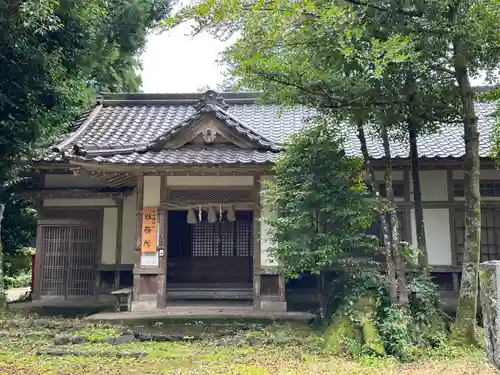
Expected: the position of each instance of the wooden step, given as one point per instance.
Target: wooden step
(209, 293)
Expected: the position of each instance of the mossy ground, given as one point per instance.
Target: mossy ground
(223, 349)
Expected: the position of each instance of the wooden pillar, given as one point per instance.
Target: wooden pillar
(271, 290)
(162, 255)
(149, 270)
(36, 289)
(118, 249)
(256, 242)
(269, 285)
(162, 246)
(138, 236)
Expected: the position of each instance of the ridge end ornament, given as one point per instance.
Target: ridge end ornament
(209, 135)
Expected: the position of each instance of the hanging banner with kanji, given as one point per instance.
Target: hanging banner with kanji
(149, 230)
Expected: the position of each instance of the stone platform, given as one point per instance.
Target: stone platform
(214, 310)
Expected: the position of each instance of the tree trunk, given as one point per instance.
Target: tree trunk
(464, 329)
(417, 195)
(415, 171)
(391, 272)
(322, 299)
(395, 246)
(3, 296)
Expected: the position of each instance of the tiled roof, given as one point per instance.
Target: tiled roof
(447, 143)
(191, 156)
(125, 129)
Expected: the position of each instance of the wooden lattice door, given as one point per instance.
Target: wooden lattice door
(210, 253)
(69, 256)
(223, 251)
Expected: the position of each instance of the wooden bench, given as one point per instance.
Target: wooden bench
(119, 293)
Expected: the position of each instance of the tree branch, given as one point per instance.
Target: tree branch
(385, 9)
(439, 68)
(337, 103)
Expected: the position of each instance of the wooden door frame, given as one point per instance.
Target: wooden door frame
(75, 221)
(251, 246)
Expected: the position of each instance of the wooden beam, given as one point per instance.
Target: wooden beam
(181, 169)
(124, 183)
(72, 193)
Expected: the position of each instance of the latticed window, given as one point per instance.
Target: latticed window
(490, 233)
(223, 238)
(209, 195)
(376, 228)
(68, 260)
(398, 189)
(486, 188)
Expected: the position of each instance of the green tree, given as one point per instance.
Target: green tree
(321, 202)
(18, 233)
(55, 56)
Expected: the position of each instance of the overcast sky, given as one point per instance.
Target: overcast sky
(175, 62)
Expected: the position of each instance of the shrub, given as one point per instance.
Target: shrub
(20, 281)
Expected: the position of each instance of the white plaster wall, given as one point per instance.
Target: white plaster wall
(209, 181)
(70, 181)
(265, 242)
(128, 229)
(78, 202)
(437, 235)
(433, 185)
(152, 188)
(110, 227)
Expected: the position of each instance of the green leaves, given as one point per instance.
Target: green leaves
(313, 53)
(320, 199)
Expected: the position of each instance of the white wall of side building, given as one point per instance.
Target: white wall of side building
(433, 186)
(109, 234)
(265, 242)
(437, 235)
(129, 220)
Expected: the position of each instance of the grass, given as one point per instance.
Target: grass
(223, 349)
